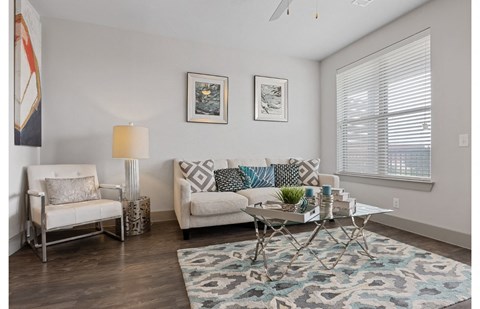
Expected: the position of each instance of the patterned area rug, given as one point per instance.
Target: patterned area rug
(402, 276)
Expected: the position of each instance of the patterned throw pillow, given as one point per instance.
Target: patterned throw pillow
(199, 174)
(231, 180)
(71, 190)
(286, 175)
(308, 170)
(260, 176)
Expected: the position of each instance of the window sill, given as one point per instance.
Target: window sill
(408, 184)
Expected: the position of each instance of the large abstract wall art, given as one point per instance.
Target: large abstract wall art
(28, 90)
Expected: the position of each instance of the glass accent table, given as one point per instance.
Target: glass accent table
(277, 221)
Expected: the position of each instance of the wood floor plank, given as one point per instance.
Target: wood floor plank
(143, 272)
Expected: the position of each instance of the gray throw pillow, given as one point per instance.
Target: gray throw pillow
(231, 180)
(71, 190)
(286, 175)
(199, 174)
(308, 170)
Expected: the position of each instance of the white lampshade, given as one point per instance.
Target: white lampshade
(130, 142)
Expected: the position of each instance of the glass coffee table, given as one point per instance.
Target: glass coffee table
(277, 221)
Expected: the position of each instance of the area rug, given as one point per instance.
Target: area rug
(401, 276)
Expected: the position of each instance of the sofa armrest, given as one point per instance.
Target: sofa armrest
(181, 201)
(329, 179)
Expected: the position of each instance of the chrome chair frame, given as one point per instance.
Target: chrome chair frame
(33, 241)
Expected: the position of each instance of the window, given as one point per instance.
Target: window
(384, 113)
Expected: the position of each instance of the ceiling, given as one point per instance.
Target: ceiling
(239, 24)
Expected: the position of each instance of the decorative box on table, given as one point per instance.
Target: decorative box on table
(348, 207)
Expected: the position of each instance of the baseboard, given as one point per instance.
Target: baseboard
(159, 216)
(15, 243)
(452, 237)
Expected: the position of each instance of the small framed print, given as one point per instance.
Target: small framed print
(271, 99)
(207, 98)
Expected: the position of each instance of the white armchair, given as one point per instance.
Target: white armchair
(48, 213)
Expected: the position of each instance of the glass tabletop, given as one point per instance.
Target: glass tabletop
(361, 210)
(319, 214)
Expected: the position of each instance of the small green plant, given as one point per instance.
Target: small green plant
(290, 195)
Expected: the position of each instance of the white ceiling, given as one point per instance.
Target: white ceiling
(239, 24)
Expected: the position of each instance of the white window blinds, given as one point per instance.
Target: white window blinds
(384, 112)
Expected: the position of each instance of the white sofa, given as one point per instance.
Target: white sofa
(220, 208)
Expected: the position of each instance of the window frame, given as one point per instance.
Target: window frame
(381, 87)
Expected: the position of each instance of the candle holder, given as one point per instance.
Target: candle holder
(326, 197)
(327, 201)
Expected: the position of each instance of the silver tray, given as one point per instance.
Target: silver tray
(302, 217)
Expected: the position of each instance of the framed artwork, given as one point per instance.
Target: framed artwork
(28, 89)
(207, 98)
(271, 98)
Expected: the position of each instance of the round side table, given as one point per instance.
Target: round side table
(136, 215)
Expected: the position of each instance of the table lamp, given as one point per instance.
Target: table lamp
(130, 143)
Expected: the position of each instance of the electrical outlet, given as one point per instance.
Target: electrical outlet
(396, 202)
(463, 140)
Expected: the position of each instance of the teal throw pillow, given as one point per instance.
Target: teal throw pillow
(260, 176)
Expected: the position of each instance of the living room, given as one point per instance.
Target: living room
(99, 71)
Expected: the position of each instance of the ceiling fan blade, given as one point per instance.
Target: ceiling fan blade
(280, 9)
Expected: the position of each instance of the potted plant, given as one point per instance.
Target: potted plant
(290, 197)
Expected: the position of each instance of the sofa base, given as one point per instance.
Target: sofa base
(186, 234)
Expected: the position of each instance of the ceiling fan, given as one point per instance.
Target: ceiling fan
(285, 5)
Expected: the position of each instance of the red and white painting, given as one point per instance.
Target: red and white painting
(28, 90)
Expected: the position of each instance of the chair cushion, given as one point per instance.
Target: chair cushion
(231, 180)
(71, 190)
(260, 176)
(215, 203)
(257, 195)
(308, 171)
(199, 174)
(64, 215)
(286, 175)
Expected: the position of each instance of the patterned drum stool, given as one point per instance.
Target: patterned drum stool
(137, 216)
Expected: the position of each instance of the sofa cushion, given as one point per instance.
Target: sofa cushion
(308, 170)
(260, 176)
(246, 162)
(271, 161)
(71, 190)
(231, 180)
(286, 175)
(199, 174)
(259, 195)
(216, 203)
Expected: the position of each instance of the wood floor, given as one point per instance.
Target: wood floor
(142, 272)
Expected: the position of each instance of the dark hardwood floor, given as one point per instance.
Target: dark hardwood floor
(143, 272)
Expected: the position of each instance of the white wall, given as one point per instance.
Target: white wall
(19, 158)
(448, 205)
(96, 77)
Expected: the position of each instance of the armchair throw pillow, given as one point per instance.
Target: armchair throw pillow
(199, 174)
(71, 190)
(231, 180)
(260, 176)
(286, 175)
(308, 170)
